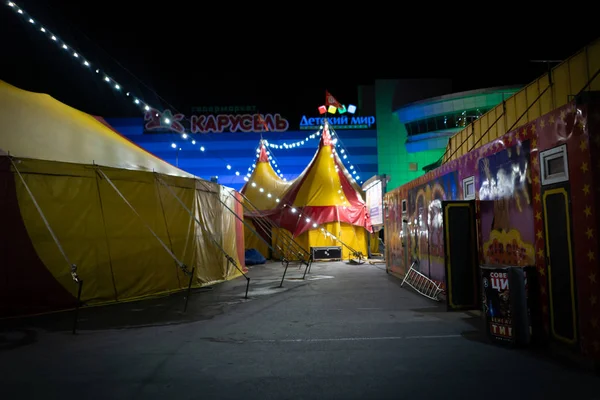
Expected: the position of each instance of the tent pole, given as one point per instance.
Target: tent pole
(189, 290)
(76, 313)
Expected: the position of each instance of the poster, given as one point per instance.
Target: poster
(496, 304)
(507, 220)
(375, 203)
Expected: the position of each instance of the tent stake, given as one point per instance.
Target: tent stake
(308, 264)
(287, 263)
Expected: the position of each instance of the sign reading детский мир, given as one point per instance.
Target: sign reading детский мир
(341, 122)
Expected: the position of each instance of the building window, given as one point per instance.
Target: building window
(443, 122)
(469, 188)
(554, 165)
(404, 207)
(413, 166)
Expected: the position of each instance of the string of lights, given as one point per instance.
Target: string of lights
(345, 156)
(272, 160)
(143, 106)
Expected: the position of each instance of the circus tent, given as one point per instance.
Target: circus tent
(323, 206)
(80, 203)
(261, 192)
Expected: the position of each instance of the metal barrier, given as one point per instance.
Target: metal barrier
(421, 283)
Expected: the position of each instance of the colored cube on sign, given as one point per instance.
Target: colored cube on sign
(331, 109)
(322, 110)
(351, 109)
(342, 109)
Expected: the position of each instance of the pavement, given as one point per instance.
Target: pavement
(346, 332)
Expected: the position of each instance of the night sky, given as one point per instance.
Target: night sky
(179, 56)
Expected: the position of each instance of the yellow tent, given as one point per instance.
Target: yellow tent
(324, 205)
(75, 192)
(262, 192)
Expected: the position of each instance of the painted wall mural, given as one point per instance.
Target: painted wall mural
(394, 235)
(511, 214)
(425, 223)
(506, 212)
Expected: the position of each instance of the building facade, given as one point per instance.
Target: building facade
(220, 144)
(413, 134)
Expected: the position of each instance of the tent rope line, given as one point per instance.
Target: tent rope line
(286, 261)
(73, 267)
(267, 225)
(181, 265)
(230, 260)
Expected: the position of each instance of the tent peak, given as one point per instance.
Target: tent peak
(263, 157)
(326, 136)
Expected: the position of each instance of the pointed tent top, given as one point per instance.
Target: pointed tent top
(326, 136)
(263, 157)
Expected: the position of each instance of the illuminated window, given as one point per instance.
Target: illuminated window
(469, 188)
(554, 165)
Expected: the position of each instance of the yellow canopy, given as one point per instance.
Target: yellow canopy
(37, 126)
(264, 177)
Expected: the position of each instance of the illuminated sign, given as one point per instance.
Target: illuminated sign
(157, 121)
(341, 122)
(238, 123)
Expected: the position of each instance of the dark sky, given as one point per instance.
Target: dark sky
(190, 55)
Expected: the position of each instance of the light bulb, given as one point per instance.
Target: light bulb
(168, 121)
(228, 166)
(237, 173)
(173, 145)
(201, 148)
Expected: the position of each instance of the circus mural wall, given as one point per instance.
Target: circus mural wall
(506, 211)
(395, 237)
(425, 223)
(524, 218)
